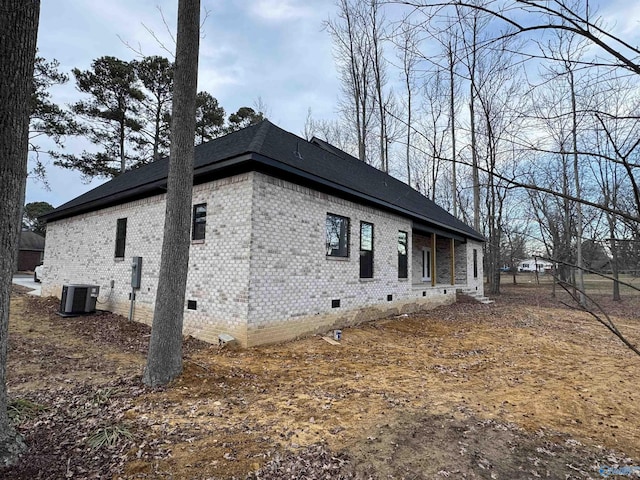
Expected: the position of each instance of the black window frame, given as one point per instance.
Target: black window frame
(403, 258)
(199, 222)
(121, 238)
(475, 263)
(366, 255)
(343, 249)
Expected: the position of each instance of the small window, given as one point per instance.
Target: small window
(403, 270)
(366, 250)
(475, 263)
(121, 237)
(426, 264)
(337, 241)
(198, 228)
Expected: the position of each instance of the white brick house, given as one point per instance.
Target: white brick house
(289, 237)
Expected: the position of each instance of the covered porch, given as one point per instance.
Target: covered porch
(439, 261)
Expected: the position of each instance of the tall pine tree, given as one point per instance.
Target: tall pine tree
(209, 118)
(109, 117)
(156, 75)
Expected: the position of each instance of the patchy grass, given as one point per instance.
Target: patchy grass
(521, 388)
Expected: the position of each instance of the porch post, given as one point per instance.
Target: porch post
(453, 262)
(433, 260)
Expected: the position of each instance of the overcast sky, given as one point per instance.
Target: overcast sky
(275, 50)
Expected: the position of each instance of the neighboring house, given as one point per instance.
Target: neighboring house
(535, 264)
(30, 250)
(289, 237)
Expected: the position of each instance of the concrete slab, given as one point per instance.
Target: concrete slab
(26, 280)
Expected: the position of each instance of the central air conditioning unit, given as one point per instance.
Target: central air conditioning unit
(78, 299)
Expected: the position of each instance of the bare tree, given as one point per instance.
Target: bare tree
(331, 131)
(494, 104)
(19, 26)
(352, 50)
(434, 125)
(616, 130)
(376, 31)
(164, 360)
(450, 53)
(470, 23)
(407, 42)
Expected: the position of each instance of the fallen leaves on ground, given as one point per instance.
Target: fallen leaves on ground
(523, 388)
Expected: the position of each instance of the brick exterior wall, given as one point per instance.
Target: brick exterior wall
(81, 250)
(262, 273)
(476, 282)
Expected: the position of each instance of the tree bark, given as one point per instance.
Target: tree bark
(164, 361)
(474, 155)
(19, 27)
(452, 113)
(576, 177)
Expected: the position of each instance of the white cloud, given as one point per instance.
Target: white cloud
(279, 10)
(273, 49)
(622, 19)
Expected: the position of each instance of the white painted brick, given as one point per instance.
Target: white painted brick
(261, 274)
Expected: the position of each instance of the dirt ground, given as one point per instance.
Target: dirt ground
(522, 388)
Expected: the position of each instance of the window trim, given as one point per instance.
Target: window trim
(347, 230)
(426, 264)
(404, 255)
(195, 217)
(475, 263)
(367, 255)
(121, 238)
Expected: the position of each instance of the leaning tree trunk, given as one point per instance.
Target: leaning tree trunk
(164, 361)
(19, 27)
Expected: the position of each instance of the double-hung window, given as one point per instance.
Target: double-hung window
(198, 228)
(403, 270)
(366, 250)
(337, 235)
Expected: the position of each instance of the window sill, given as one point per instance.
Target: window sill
(118, 259)
(337, 259)
(197, 242)
(367, 280)
(403, 279)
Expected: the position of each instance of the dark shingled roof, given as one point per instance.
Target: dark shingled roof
(267, 148)
(31, 241)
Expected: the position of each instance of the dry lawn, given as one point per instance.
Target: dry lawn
(523, 388)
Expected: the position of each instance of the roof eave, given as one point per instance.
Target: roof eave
(247, 162)
(363, 196)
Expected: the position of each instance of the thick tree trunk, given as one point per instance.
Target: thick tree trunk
(164, 361)
(19, 27)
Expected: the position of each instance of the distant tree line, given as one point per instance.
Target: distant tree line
(519, 117)
(125, 113)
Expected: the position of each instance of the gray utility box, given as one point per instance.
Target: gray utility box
(78, 299)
